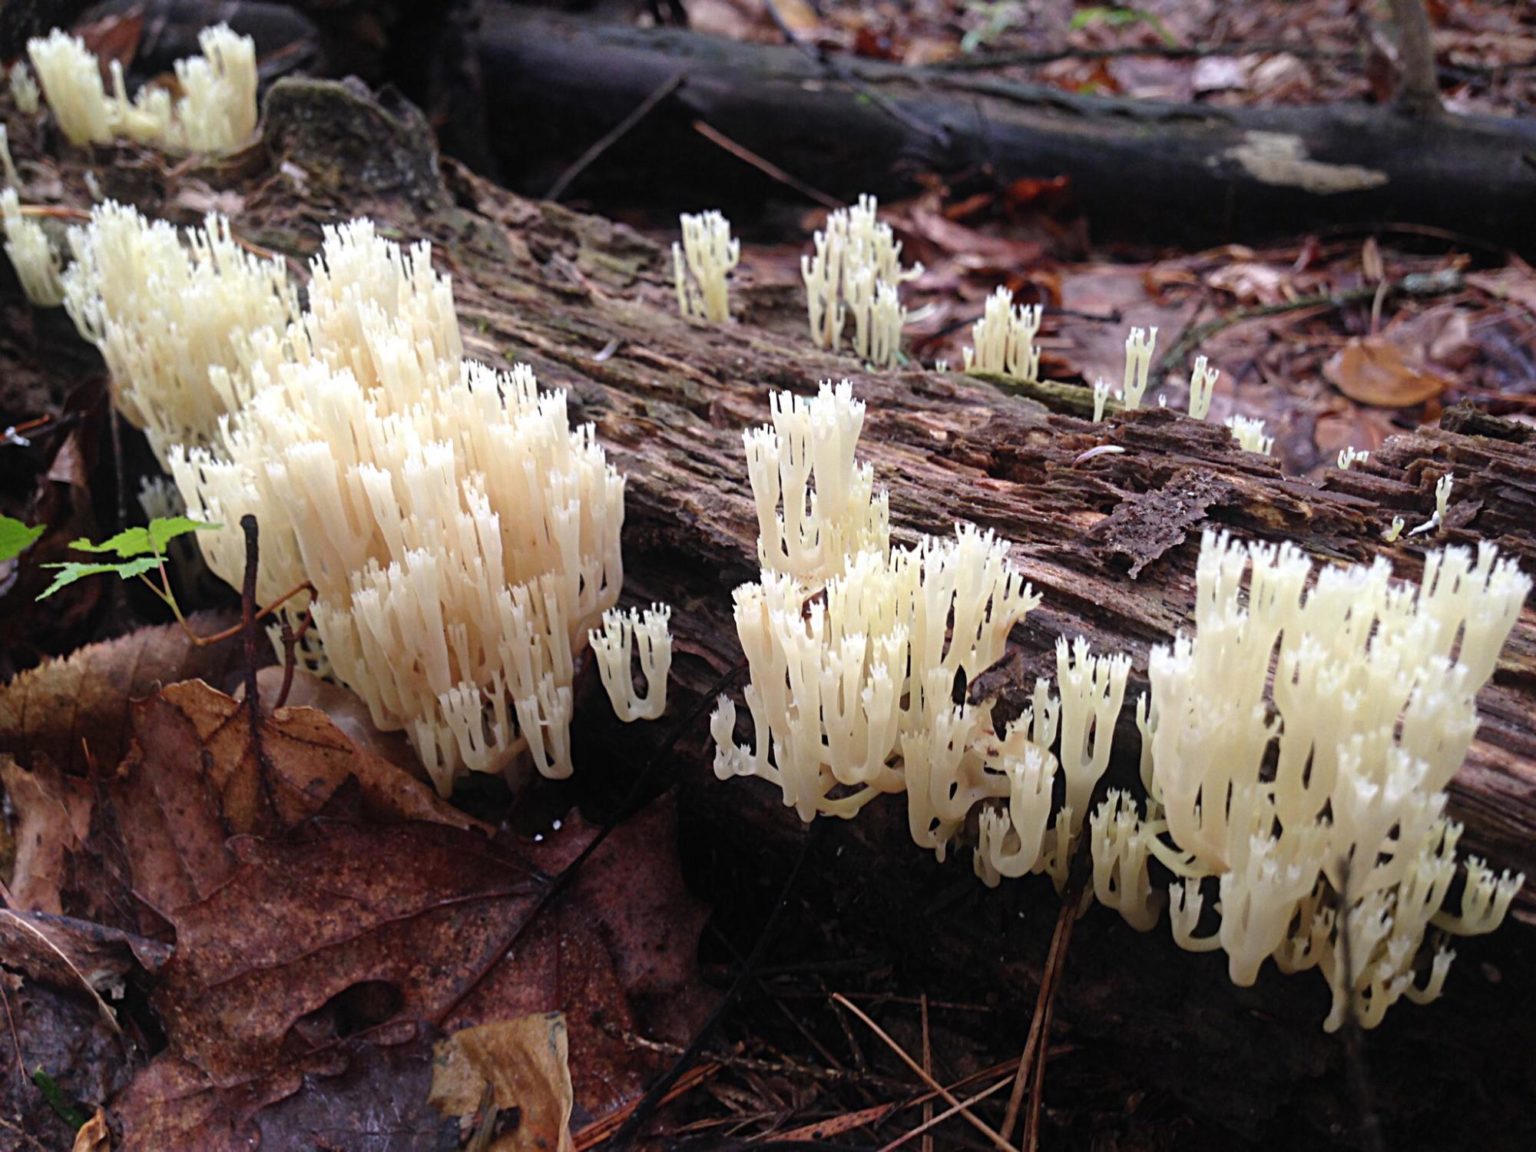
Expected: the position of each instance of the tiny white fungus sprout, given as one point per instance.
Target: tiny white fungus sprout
(612, 644)
(7, 165)
(1249, 433)
(1202, 386)
(24, 89)
(1004, 339)
(1442, 506)
(27, 245)
(1100, 398)
(1139, 347)
(854, 255)
(1349, 455)
(700, 265)
(1393, 531)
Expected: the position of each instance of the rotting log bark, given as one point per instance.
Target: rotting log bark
(1140, 170)
(1110, 543)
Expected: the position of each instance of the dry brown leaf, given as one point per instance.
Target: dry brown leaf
(517, 1064)
(1372, 370)
(1250, 282)
(195, 776)
(370, 1096)
(348, 929)
(94, 1135)
(53, 821)
(1516, 283)
(77, 709)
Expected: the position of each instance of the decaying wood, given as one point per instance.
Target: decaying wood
(1189, 173)
(1109, 541)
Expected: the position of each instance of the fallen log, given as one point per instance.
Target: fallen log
(1108, 540)
(1140, 170)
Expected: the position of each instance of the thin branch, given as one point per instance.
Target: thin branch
(996, 1140)
(767, 167)
(668, 86)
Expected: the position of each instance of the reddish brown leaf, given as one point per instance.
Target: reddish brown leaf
(194, 777)
(269, 966)
(77, 708)
(1371, 370)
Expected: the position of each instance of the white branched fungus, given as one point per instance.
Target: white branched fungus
(1100, 398)
(1139, 348)
(1350, 455)
(182, 326)
(8, 165)
(461, 538)
(1442, 506)
(216, 110)
(844, 687)
(816, 505)
(36, 264)
(71, 80)
(1202, 386)
(852, 691)
(855, 255)
(24, 89)
(1004, 338)
(634, 631)
(1321, 803)
(1092, 689)
(700, 265)
(1250, 434)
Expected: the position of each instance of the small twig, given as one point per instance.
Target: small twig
(1031, 1070)
(953, 1110)
(290, 640)
(969, 1117)
(767, 167)
(841, 71)
(606, 141)
(248, 619)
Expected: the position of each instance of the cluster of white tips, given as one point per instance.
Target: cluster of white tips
(1297, 748)
(1350, 455)
(816, 505)
(462, 540)
(625, 633)
(216, 109)
(1004, 339)
(700, 265)
(856, 270)
(36, 263)
(1249, 433)
(1202, 387)
(851, 692)
(183, 327)
(1139, 348)
(24, 89)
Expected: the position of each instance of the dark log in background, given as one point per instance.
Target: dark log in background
(587, 303)
(1140, 170)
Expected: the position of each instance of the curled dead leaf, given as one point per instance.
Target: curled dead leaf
(1371, 370)
(520, 1064)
